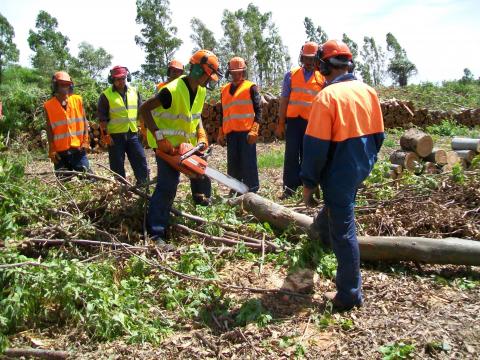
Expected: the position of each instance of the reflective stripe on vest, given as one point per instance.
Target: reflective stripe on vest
(238, 112)
(122, 119)
(302, 93)
(179, 122)
(67, 125)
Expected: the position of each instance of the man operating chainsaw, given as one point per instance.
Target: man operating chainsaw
(173, 119)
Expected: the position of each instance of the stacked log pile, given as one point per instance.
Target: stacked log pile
(396, 114)
(418, 155)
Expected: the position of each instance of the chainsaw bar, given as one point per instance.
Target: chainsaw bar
(226, 180)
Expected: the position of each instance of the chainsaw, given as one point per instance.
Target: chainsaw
(187, 160)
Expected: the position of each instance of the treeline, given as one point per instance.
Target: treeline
(247, 32)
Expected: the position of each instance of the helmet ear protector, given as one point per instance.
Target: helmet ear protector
(325, 66)
(110, 78)
(54, 86)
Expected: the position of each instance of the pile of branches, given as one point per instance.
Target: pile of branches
(437, 208)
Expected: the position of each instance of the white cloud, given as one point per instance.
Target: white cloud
(440, 36)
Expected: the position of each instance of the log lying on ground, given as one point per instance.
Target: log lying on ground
(398, 248)
(408, 160)
(430, 168)
(466, 144)
(417, 141)
(36, 353)
(467, 155)
(437, 156)
(452, 158)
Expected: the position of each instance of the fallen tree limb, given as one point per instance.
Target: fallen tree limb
(231, 242)
(26, 263)
(37, 353)
(87, 243)
(396, 248)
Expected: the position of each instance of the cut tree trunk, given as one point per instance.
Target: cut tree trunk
(467, 155)
(395, 248)
(417, 141)
(437, 156)
(396, 168)
(452, 158)
(430, 168)
(409, 160)
(466, 144)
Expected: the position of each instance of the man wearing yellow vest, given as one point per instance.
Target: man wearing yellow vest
(67, 126)
(242, 112)
(118, 112)
(300, 85)
(174, 70)
(173, 117)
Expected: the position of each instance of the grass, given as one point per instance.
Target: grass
(271, 159)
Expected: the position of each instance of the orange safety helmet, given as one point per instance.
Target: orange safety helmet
(62, 76)
(205, 61)
(175, 64)
(309, 49)
(334, 48)
(237, 64)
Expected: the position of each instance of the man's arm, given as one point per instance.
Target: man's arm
(282, 111)
(103, 112)
(49, 131)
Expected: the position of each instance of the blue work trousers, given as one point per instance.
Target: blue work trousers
(162, 199)
(336, 226)
(128, 143)
(242, 159)
(72, 160)
(294, 132)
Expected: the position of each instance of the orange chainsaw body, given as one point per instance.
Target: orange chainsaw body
(193, 166)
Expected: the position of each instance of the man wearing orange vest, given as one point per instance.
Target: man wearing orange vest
(67, 126)
(300, 85)
(174, 70)
(343, 137)
(242, 111)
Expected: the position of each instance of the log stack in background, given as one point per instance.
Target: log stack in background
(396, 114)
(418, 155)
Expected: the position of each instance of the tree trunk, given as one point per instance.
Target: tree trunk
(466, 144)
(417, 141)
(452, 158)
(395, 248)
(430, 168)
(409, 160)
(437, 156)
(37, 353)
(467, 155)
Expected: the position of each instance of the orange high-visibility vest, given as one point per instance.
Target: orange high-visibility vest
(302, 93)
(238, 112)
(68, 125)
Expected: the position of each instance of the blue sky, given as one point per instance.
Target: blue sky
(441, 37)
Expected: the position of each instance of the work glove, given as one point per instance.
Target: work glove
(280, 130)
(105, 138)
(165, 146)
(308, 196)
(54, 158)
(221, 137)
(253, 133)
(202, 138)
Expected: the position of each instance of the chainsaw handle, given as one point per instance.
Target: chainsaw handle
(198, 147)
